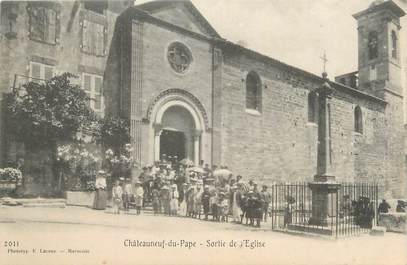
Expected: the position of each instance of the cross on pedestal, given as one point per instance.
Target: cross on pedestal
(324, 186)
(324, 60)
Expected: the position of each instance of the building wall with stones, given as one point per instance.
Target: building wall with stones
(277, 143)
(63, 52)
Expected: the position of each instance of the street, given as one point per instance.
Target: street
(76, 235)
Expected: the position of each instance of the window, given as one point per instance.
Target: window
(39, 71)
(373, 45)
(358, 120)
(253, 91)
(97, 6)
(93, 86)
(354, 81)
(43, 24)
(94, 38)
(394, 44)
(312, 107)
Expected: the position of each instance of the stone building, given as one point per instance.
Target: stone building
(192, 94)
(39, 39)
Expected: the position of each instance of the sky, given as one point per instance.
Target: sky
(296, 32)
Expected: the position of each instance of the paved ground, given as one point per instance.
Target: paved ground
(102, 236)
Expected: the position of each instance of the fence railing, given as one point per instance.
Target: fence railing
(352, 209)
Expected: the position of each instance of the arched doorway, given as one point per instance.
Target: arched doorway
(176, 138)
(177, 131)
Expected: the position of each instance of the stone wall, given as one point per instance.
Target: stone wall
(279, 144)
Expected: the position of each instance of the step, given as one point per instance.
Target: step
(44, 205)
(40, 200)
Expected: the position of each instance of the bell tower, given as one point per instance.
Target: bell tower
(379, 48)
(380, 74)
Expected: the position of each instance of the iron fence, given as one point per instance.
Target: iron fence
(352, 209)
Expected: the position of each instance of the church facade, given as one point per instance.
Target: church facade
(190, 93)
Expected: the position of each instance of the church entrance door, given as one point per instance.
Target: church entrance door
(172, 144)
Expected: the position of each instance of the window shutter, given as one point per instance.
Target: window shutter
(35, 71)
(50, 26)
(101, 40)
(98, 85)
(87, 86)
(104, 47)
(84, 36)
(97, 40)
(93, 38)
(87, 82)
(48, 72)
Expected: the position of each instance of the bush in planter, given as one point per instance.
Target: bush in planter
(79, 165)
(11, 175)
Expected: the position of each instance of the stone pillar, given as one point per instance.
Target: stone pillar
(324, 185)
(197, 136)
(157, 132)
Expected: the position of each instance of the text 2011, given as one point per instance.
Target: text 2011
(11, 244)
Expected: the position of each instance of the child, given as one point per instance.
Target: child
(165, 199)
(190, 200)
(205, 199)
(138, 196)
(223, 207)
(117, 193)
(156, 202)
(127, 195)
(174, 200)
(198, 199)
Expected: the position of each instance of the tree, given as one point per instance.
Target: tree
(114, 136)
(114, 133)
(43, 114)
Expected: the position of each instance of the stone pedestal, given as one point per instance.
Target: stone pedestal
(324, 189)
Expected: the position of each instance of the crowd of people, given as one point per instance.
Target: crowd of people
(185, 190)
(182, 189)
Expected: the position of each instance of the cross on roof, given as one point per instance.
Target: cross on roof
(324, 60)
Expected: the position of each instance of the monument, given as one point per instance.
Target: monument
(324, 187)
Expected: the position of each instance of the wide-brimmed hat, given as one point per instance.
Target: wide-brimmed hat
(165, 187)
(101, 172)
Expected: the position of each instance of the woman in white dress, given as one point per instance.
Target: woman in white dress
(138, 196)
(182, 211)
(174, 200)
(236, 211)
(117, 195)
